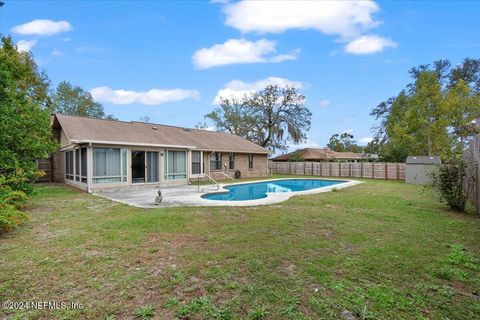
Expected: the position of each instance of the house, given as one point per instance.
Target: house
(324, 154)
(419, 168)
(96, 154)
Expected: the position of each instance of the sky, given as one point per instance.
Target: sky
(172, 60)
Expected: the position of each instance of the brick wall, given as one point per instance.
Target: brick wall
(56, 160)
(241, 163)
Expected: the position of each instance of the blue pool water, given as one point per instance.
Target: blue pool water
(258, 190)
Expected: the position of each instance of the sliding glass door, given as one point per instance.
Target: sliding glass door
(152, 167)
(138, 166)
(145, 166)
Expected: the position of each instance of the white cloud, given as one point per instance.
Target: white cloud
(42, 27)
(25, 45)
(369, 44)
(235, 51)
(210, 128)
(150, 97)
(350, 131)
(57, 53)
(345, 18)
(365, 140)
(324, 103)
(237, 89)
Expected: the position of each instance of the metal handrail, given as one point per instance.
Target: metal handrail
(210, 178)
(226, 175)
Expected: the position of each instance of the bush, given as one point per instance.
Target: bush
(13, 195)
(10, 218)
(449, 182)
(20, 180)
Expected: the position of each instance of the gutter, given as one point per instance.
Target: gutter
(132, 144)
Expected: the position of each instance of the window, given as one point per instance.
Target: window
(69, 165)
(231, 161)
(216, 161)
(175, 165)
(106, 165)
(77, 164)
(83, 164)
(250, 161)
(196, 162)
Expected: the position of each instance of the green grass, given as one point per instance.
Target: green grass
(381, 250)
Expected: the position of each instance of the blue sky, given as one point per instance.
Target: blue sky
(169, 60)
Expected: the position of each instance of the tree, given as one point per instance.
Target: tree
(145, 119)
(343, 142)
(25, 133)
(234, 116)
(271, 118)
(73, 100)
(436, 114)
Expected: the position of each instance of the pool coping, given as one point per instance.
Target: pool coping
(273, 197)
(190, 196)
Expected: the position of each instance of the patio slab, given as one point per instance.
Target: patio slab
(189, 195)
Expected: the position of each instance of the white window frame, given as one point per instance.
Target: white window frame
(202, 171)
(166, 175)
(122, 176)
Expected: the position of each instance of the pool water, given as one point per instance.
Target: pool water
(259, 190)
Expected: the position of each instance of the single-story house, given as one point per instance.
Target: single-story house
(324, 154)
(96, 154)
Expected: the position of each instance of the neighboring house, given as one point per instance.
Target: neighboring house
(419, 168)
(324, 154)
(96, 154)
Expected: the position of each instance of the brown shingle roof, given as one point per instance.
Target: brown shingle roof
(80, 129)
(317, 154)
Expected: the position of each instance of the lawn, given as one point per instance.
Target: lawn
(380, 250)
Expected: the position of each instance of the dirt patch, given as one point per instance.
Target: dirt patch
(38, 210)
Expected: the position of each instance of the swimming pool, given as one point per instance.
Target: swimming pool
(259, 190)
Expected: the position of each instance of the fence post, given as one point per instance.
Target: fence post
(398, 171)
(304, 168)
(386, 171)
(289, 167)
(477, 187)
(339, 169)
(361, 169)
(330, 169)
(373, 170)
(312, 168)
(350, 166)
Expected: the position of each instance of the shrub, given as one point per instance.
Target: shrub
(449, 182)
(13, 195)
(20, 180)
(10, 217)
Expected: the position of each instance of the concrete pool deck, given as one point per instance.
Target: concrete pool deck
(189, 195)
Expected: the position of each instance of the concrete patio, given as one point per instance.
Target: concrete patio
(190, 195)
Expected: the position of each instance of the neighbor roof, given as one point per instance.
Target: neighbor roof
(423, 160)
(323, 154)
(89, 130)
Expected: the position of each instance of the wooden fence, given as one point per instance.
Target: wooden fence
(45, 166)
(471, 182)
(375, 170)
